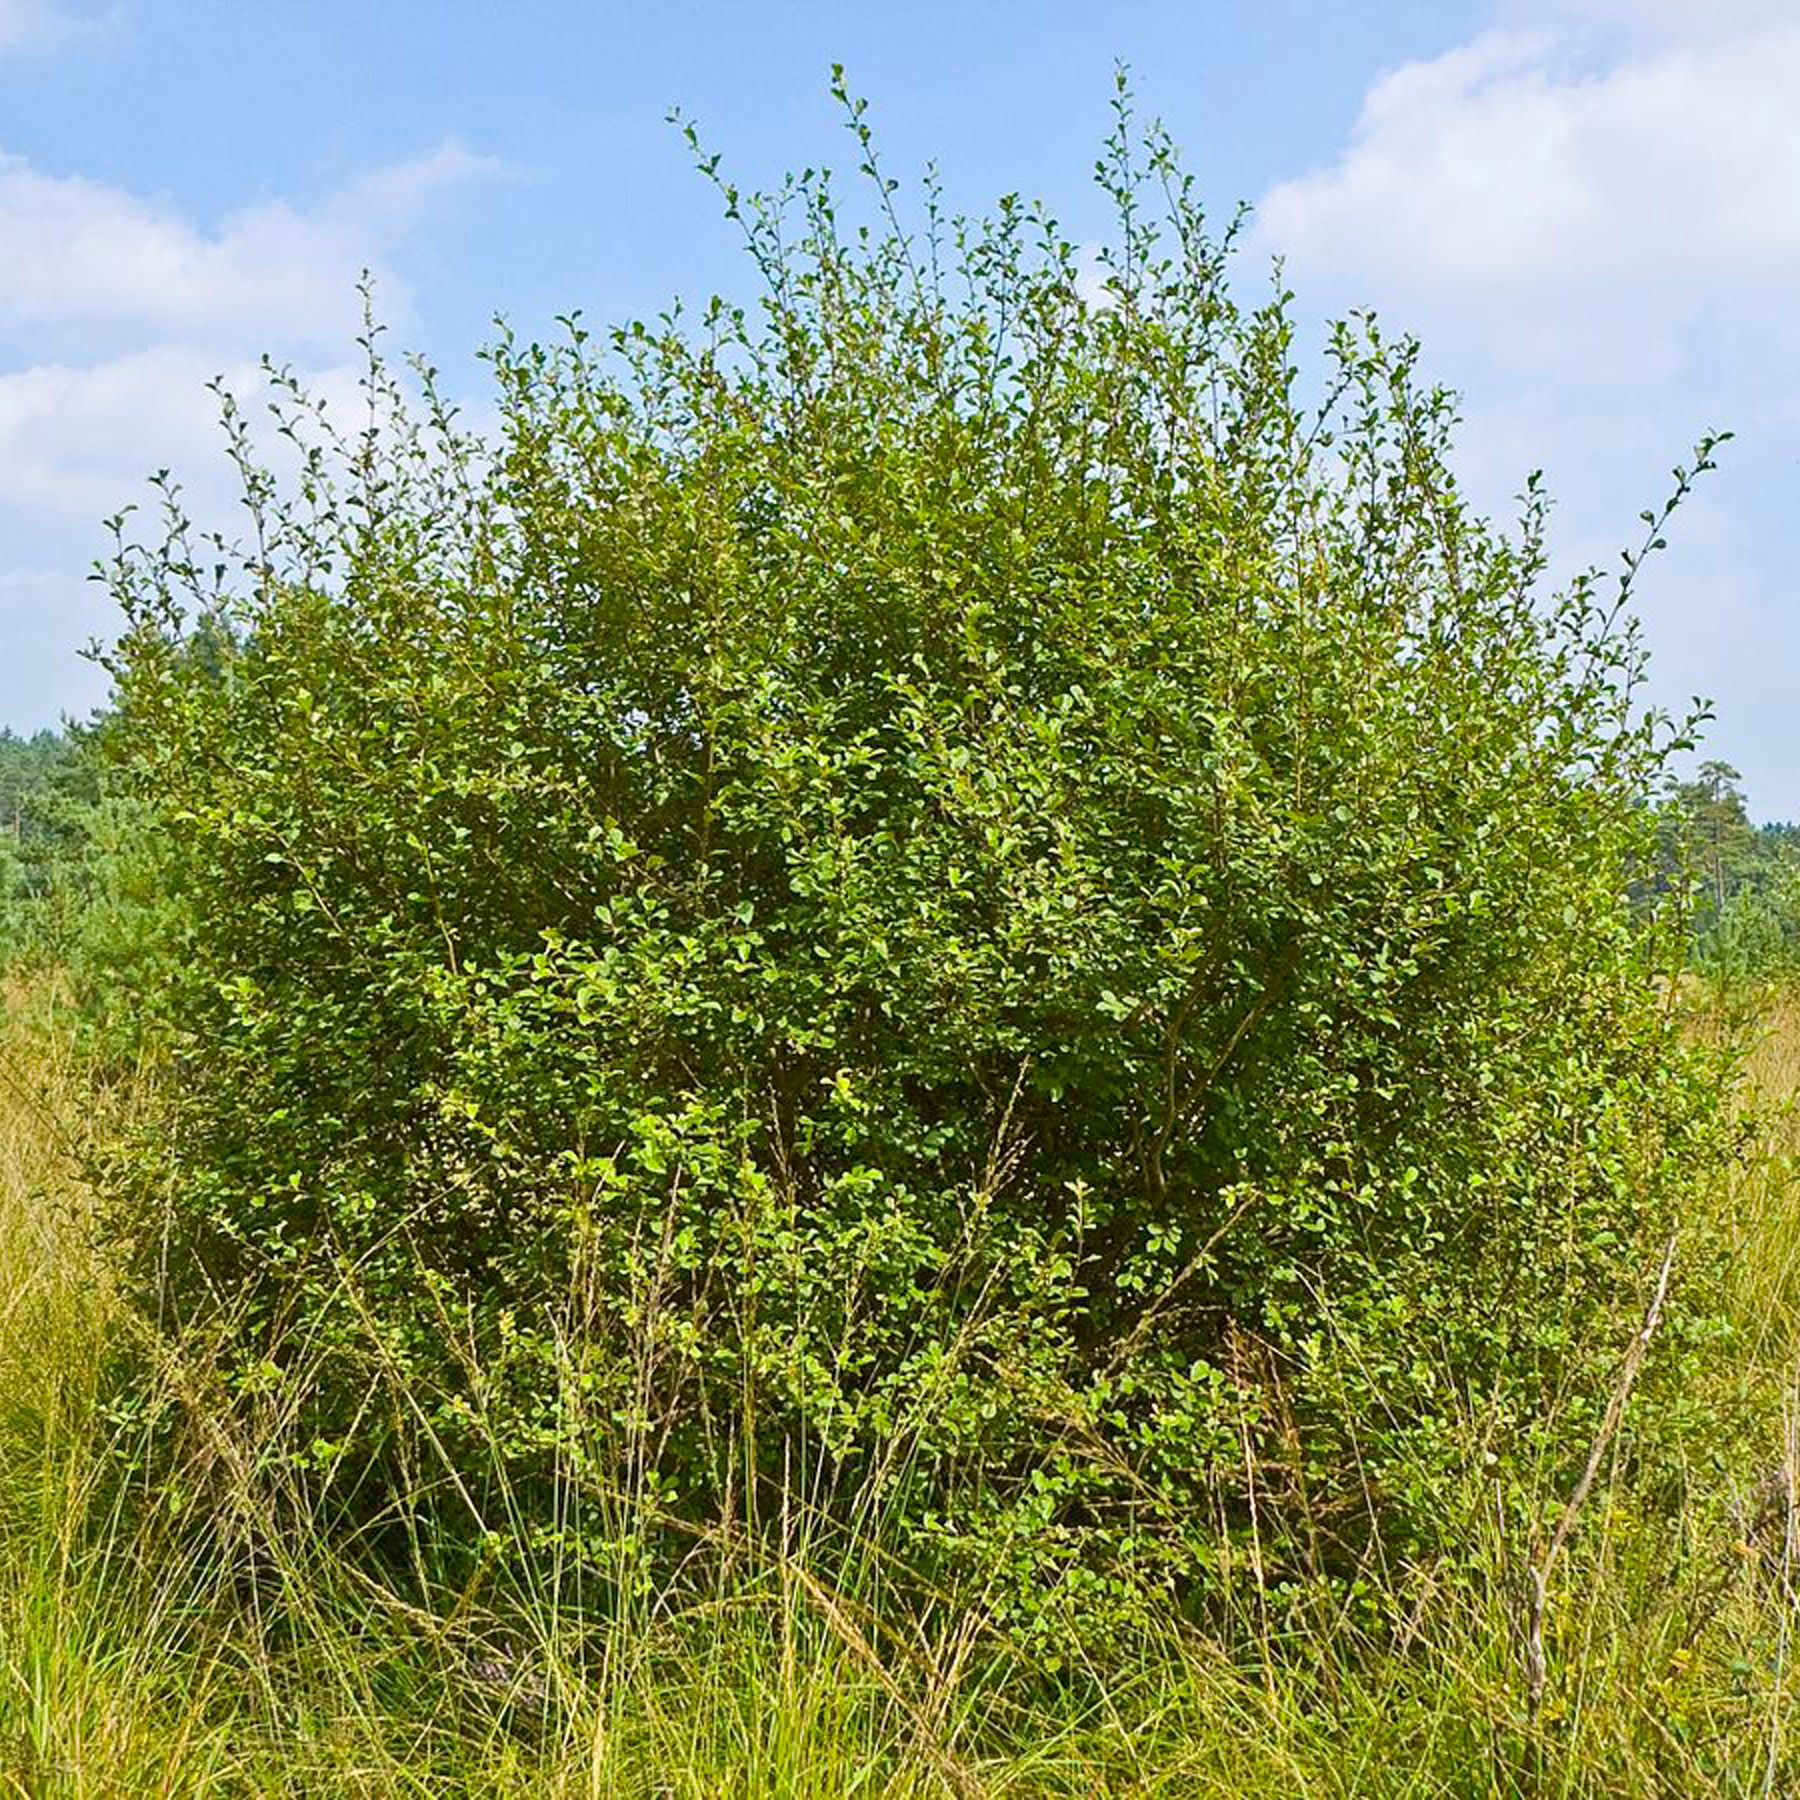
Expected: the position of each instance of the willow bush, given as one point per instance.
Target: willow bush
(937, 908)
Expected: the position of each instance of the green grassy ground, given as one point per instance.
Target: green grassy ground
(135, 1658)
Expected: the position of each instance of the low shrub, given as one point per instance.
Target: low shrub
(934, 894)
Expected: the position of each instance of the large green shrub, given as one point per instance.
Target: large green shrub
(933, 895)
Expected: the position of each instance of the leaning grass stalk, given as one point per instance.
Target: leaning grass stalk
(1536, 1665)
(1791, 1466)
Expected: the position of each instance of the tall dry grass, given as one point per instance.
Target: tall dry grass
(191, 1638)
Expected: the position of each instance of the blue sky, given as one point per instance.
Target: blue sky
(1589, 209)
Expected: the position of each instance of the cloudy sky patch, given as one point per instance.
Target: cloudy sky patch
(1588, 209)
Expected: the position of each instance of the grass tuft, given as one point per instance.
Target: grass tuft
(192, 1639)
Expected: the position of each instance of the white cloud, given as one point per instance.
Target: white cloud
(82, 441)
(1646, 20)
(83, 252)
(33, 25)
(1567, 209)
(176, 305)
(1590, 213)
(116, 310)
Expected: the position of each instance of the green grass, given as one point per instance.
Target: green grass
(189, 1639)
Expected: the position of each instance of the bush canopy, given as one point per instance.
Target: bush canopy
(937, 897)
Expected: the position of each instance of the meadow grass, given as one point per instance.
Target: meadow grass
(187, 1638)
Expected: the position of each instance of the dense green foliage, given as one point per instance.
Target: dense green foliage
(932, 896)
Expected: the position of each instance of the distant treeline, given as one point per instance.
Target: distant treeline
(37, 774)
(67, 857)
(47, 793)
(1743, 878)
